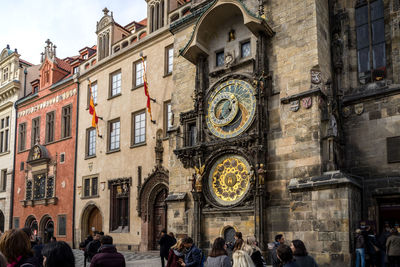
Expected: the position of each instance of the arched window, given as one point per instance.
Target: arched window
(151, 18)
(156, 15)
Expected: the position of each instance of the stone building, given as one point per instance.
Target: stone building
(45, 151)
(13, 84)
(122, 179)
(292, 124)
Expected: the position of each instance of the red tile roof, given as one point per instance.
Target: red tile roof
(143, 22)
(26, 62)
(63, 64)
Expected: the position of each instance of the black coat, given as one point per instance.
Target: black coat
(108, 257)
(257, 258)
(166, 242)
(92, 248)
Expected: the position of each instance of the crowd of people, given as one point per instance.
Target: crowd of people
(377, 251)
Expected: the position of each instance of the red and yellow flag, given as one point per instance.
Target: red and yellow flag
(146, 89)
(92, 109)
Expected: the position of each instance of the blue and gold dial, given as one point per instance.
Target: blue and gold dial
(231, 108)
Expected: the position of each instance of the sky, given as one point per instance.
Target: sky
(69, 24)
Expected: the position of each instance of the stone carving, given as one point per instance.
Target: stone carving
(231, 35)
(295, 105)
(316, 76)
(337, 47)
(306, 102)
(359, 108)
(199, 178)
(346, 111)
(229, 59)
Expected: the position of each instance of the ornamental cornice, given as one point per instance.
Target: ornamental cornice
(9, 90)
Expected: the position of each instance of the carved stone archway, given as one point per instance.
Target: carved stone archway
(156, 183)
(89, 211)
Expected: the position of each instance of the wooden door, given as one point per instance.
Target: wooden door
(95, 222)
(160, 217)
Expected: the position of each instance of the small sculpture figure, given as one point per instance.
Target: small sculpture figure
(199, 177)
(231, 35)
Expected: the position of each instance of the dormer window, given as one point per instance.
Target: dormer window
(35, 89)
(5, 74)
(103, 47)
(85, 56)
(156, 15)
(76, 69)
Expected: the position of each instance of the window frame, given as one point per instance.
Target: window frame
(89, 93)
(33, 131)
(135, 63)
(47, 135)
(91, 179)
(109, 123)
(166, 117)
(133, 134)
(87, 144)
(3, 182)
(58, 224)
(242, 43)
(5, 127)
(167, 62)
(116, 211)
(110, 94)
(64, 122)
(218, 52)
(22, 135)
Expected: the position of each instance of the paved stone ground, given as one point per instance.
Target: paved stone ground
(133, 259)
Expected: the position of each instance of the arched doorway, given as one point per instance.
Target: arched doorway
(46, 228)
(32, 223)
(91, 220)
(159, 216)
(1, 221)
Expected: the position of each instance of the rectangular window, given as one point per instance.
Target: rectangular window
(22, 136)
(370, 31)
(169, 58)
(91, 142)
(191, 134)
(92, 92)
(35, 131)
(16, 222)
(168, 117)
(3, 184)
(76, 69)
(62, 224)
(139, 73)
(220, 59)
(4, 134)
(90, 187)
(22, 166)
(50, 127)
(114, 135)
(35, 89)
(245, 49)
(5, 74)
(115, 84)
(94, 186)
(139, 127)
(39, 186)
(119, 209)
(66, 122)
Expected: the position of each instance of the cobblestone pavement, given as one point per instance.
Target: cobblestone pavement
(133, 259)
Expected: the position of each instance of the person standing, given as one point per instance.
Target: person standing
(218, 256)
(93, 246)
(300, 254)
(393, 249)
(360, 248)
(192, 255)
(382, 243)
(255, 252)
(58, 254)
(166, 242)
(242, 259)
(285, 255)
(176, 253)
(107, 255)
(279, 240)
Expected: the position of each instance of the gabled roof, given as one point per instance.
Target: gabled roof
(63, 64)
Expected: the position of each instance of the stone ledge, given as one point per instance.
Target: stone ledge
(372, 90)
(176, 197)
(327, 179)
(287, 100)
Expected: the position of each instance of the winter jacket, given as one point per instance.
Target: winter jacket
(360, 242)
(28, 262)
(193, 257)
(173, 258)
(393, 245)
(166, 242)
(291, 264)
(257, 258)
(305, 261)
(92, 248)
(220, 261)
(274, 257)
(108, 257)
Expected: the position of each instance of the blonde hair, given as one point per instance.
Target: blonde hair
(242, 259)
(252, 241)
(178, 246)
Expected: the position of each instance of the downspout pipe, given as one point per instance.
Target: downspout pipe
(75, 163)
(10, 225)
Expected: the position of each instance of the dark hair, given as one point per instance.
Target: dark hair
(53, 239)
(89, 238)
(239, 235)
(284, 253)
(218, 248)
(106, 240)
(300, 248)
(278, 237)
(96, 232)
(101, 233)
(58, 254)
(15, 243)
(187, 240)
(238, 244)
(27, 231)
(164, 231)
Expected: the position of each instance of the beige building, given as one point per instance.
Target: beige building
(15, 77)
(122, 175)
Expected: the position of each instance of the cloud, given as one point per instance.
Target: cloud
(70, 25)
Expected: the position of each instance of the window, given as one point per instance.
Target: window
(3, 184)
(85, 56)
(90, 187)
(113, 135)
(22, 136)
(5, 74)
(191, 135)
(169, 58)
(22, 166)
(139, 73)
(370, 27)
(50, 127)
(168, 117)
(245, 49)
(35, 131)
(62, 225)
(119, 208)
(139, 127)
(93, 91)
(16, 222)
(76, 70)
(90, 142)
(39, 186)
(219, 56)
(66, 122)
(115, 84)
(4, 134)
(35, 89)
(62, 157)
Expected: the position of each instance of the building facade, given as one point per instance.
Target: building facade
(45, 152)
(122, 179)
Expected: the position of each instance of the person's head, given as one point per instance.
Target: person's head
(28, 232)
(106, 240)
(284, 253)
(53, 239)
(3, 261)
(15, 243)
(187, 242)
(218, 248)
(163, 232)
(97, 235)
(298, 247)
(178, 245)
(252, 241)
(89, 238)
(238, 235)
(58, 254)
(238, 244)
(279, 238)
